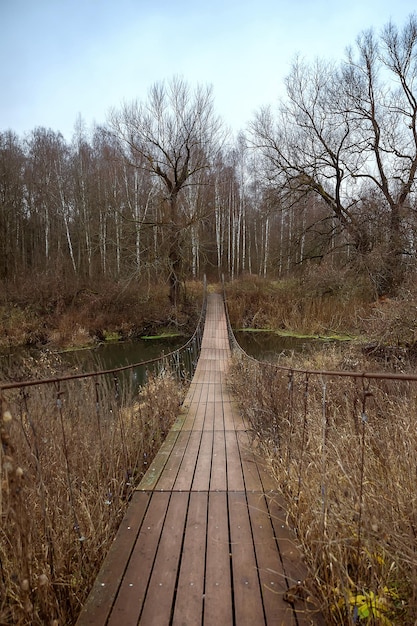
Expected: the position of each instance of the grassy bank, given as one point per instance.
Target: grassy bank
(43, 311)
(344, 452)
(326, 303)
(72, 452)
(314, 304)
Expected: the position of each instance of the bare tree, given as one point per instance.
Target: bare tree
(12, 218)
(379, 84)
(174, 135)
(344, 131)
(308, 148)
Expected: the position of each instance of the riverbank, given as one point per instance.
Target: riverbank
(336, 305)
(55, 315)
(342, 448)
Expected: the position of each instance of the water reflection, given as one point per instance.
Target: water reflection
(112, 355)
(267, 346)
(21, 363)
(115, 355)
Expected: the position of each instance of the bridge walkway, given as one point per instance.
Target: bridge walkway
(205, 539)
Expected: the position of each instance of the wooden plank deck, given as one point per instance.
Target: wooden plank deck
(205, 538)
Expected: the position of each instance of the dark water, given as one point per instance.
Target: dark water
(21, 363)
(261, 345)
(264, 346)
(112, 355)
(267, 346)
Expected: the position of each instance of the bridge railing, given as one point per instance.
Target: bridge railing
(343, 446)
(72, 450)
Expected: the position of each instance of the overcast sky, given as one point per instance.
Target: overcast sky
(64, 58)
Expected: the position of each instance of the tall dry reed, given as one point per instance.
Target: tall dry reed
(344, 452)
(70, 457)
(319, 302)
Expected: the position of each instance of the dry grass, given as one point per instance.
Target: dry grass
(344, 453)
(45, 311)
(319, 302)
(70, 456)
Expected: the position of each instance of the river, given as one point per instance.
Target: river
(267, 346)
(261, 345)
(107, 356)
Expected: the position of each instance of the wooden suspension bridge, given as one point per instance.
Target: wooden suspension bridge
(205, 539)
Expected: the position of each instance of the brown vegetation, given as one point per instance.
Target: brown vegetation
(328, 302)
(316, 303)
(47, 311)
(343, 449)
(344, 453)
(71, 455)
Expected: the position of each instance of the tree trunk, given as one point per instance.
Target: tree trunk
(175, 253)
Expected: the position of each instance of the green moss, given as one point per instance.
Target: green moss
(111, 336)
(291, 333)
(161, 336)
(254, 330)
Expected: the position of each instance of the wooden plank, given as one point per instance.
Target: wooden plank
(235, 480)
(218, 423)
(214, 393)
(130, 598)
(152, 475)
(228, 417)
(189, 598)
(249, 466)
(218, 479)
(209, 416)
(247, 595)
(232, 417)
(191, 402)
(270, 569)
(197, 423)
(294, 569)
(193, 394)
(201, 480)
(169, 473)
(306, 606)
(218, 605)
(100, 601)
(185, 474)
(160, 593)
(179, 422)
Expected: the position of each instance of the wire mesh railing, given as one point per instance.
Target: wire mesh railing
(343, 446)
(72, 450)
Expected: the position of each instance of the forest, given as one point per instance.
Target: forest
(310, 214)
(162, 192)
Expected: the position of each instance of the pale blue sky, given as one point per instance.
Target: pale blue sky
(62, 58)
